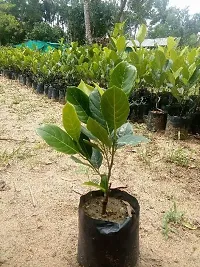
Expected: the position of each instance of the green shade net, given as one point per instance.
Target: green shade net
(39, 45)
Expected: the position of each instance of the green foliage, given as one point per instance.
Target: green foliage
(124, 77)
(115, 107)
(10, 29)
(142, 32)
(44, 32)
(95, 142)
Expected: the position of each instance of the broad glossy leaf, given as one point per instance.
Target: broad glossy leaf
(57, 139)
(171, 43)
(177, 73)
(131, 140)
(92, 145)
(115, 107)
(90, 183)
(97, 130)
(176, 93)
(80, 101)
(86, 149)
(86, 88)
(95, 107)
(142, 32)
(96, 158)
(171, 78)
(71, 122)
(121, 44)
(192, 68)
(101, 90)
(123, 76)
(88, 133)
(160, 59)
(195, 76)
(191, 55)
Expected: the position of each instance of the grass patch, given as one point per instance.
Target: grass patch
(179, 157)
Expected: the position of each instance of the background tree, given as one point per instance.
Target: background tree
(44, 32)
(88, 33)
(11, 30)
(161, 19)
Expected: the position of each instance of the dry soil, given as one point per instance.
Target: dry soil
(40, 189)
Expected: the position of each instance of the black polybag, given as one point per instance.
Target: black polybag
(108, 244)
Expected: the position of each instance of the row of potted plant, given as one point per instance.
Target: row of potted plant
(164, 71)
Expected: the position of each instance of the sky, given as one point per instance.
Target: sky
(194, 5)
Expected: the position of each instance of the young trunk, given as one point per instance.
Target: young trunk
(88, 34)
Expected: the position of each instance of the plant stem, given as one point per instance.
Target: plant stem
(104, 203)
(110, 165)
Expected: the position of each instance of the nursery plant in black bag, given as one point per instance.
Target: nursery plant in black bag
(95, 127)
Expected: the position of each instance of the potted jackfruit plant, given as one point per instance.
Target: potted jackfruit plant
(95, 127)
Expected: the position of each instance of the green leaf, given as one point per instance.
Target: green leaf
(171, 43)
(92, 145)
(57, 139)
(195, 76)
(131, 139)
(192, 68)
(86, 88)
(141, 33)
(90, 183)
(160, 59)
(86, 149)
(71, 122)
(88, 133)
(177, 73)
(104, 182)
(125, 129)
(101, 90)
(96, 158)
(171, 78)
(115, 107)
(97, 130)
(80, 101)
(176, 93)
(191, 56)
(123, 76)
(95, 107)
(121, 44)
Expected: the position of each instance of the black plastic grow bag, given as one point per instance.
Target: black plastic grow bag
(108, 244)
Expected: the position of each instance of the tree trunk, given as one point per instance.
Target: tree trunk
(88, 33)
(121, 12)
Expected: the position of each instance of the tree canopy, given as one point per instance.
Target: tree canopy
(54, 19)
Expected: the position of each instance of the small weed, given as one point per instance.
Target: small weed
(179, 157)
(174, 218)
(171, 218)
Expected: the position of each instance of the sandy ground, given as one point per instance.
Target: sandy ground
(40, 190)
